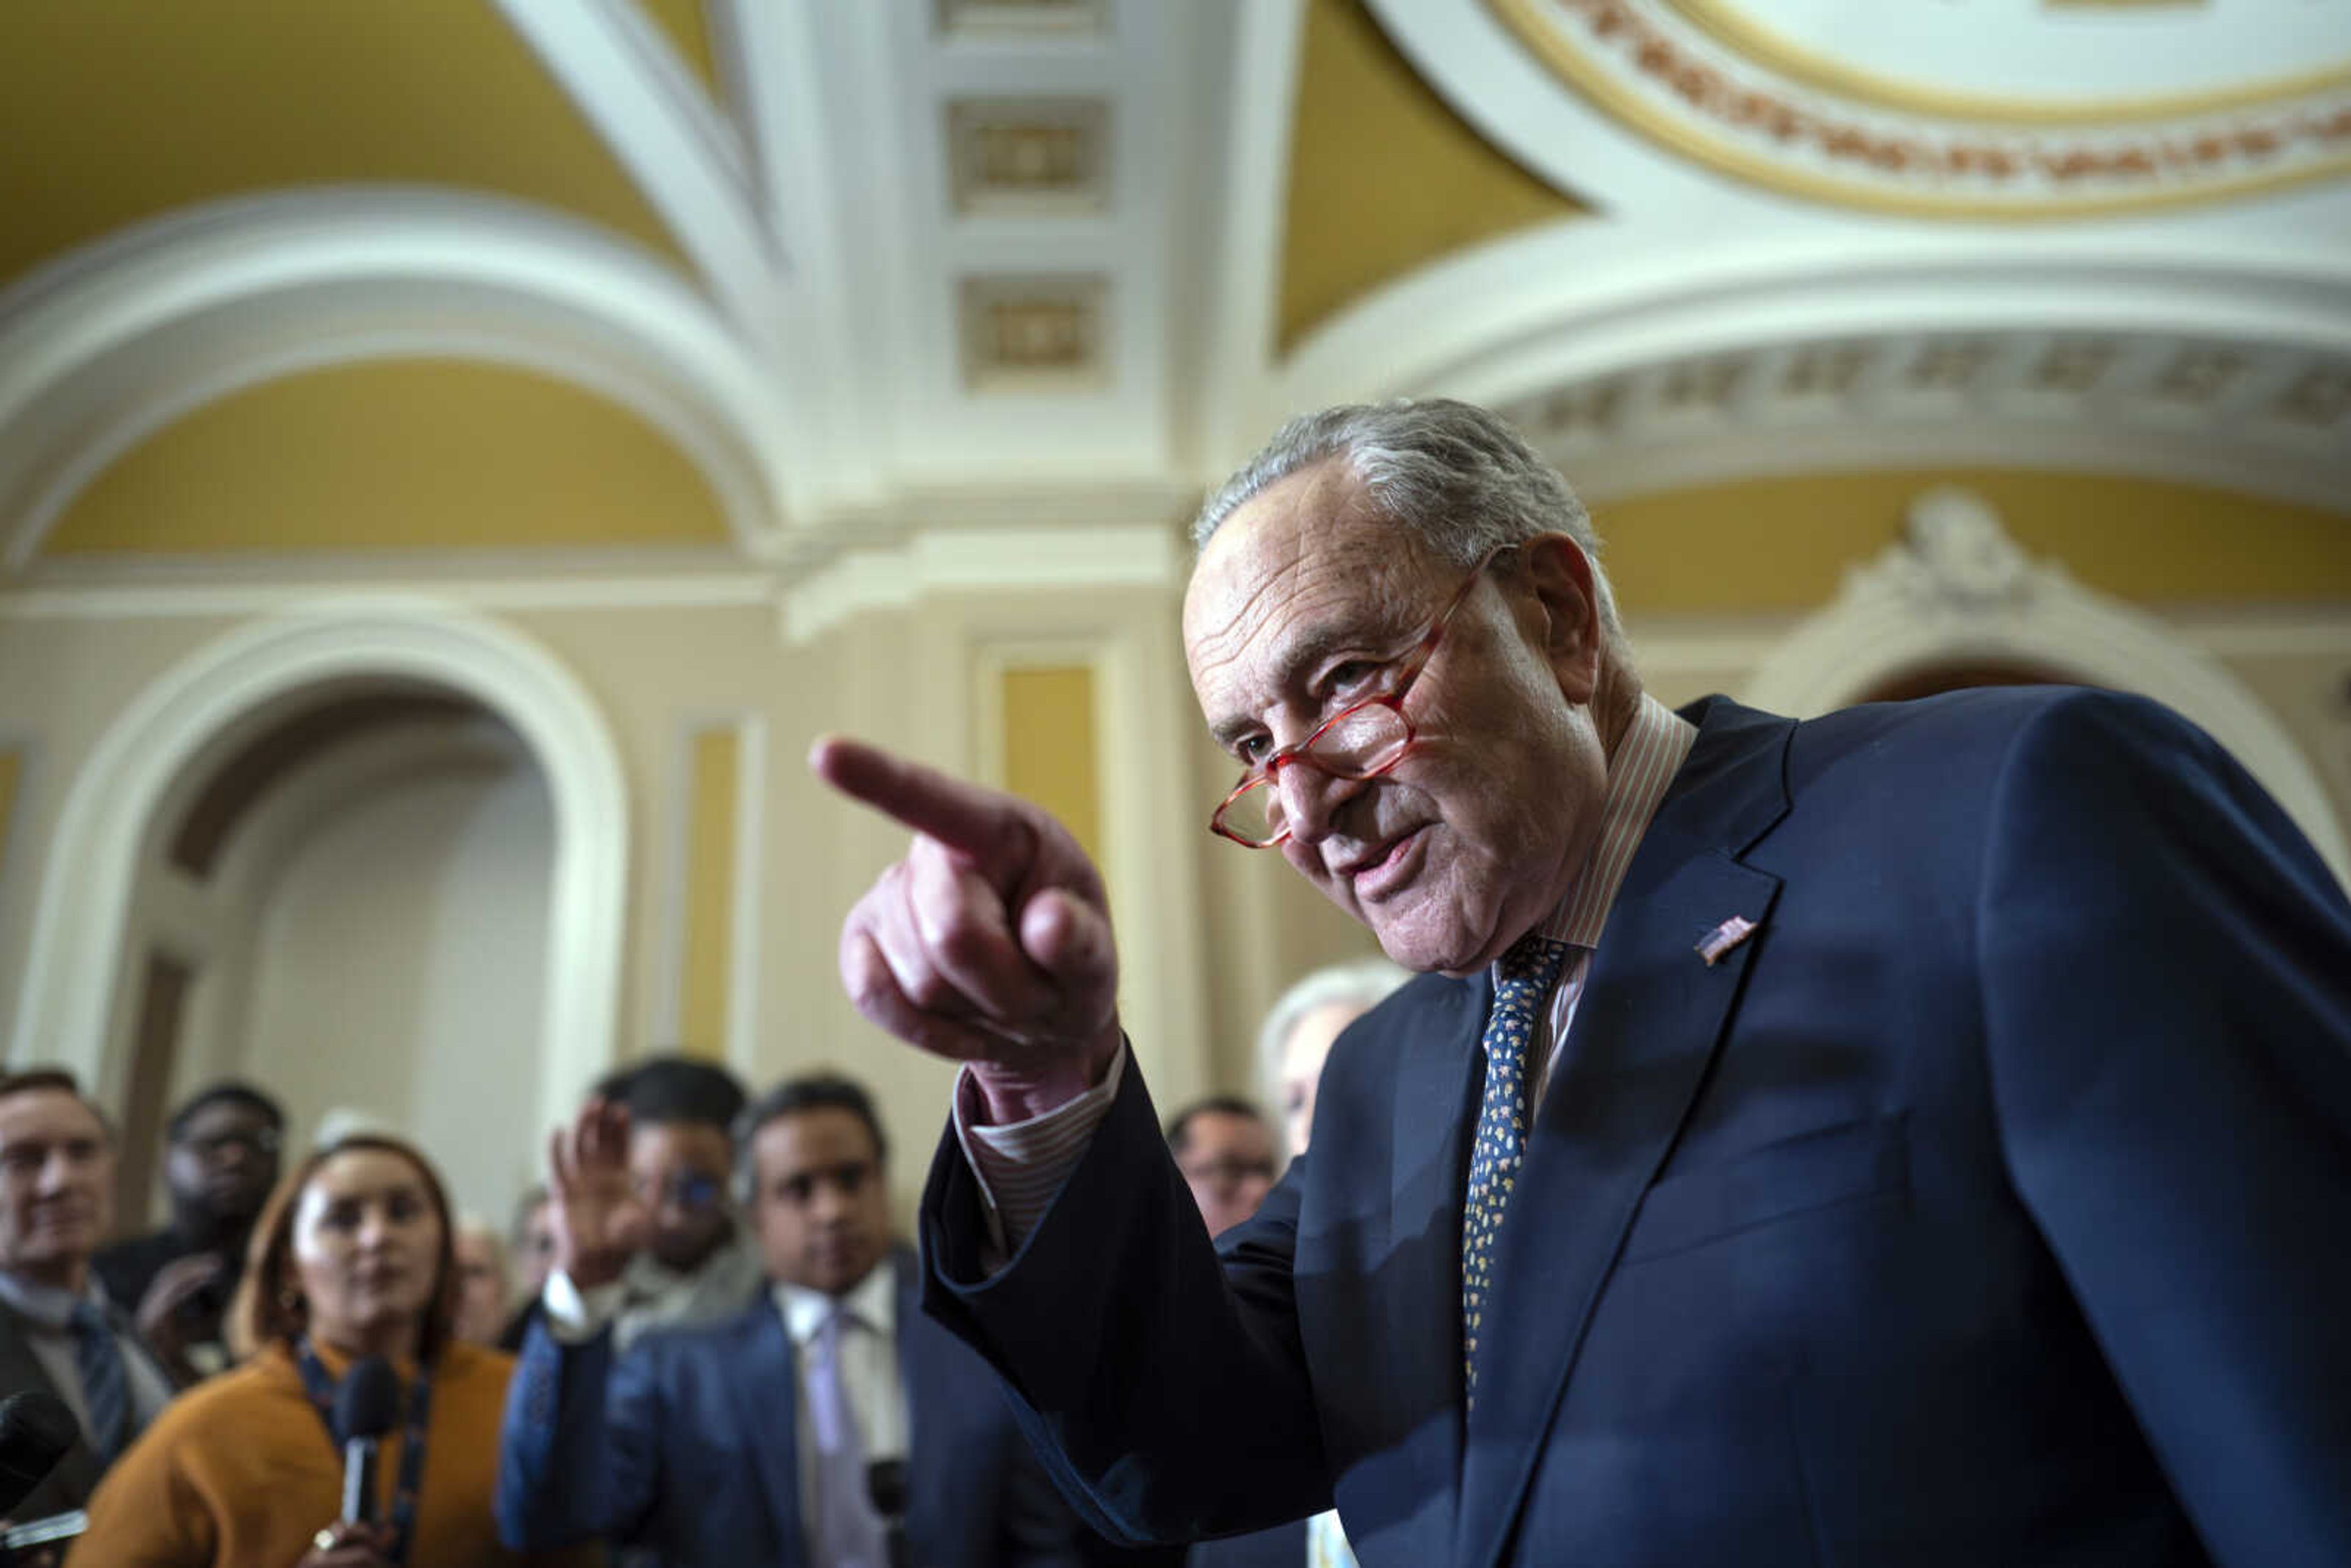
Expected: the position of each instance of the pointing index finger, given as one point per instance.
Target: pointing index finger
(960, 815)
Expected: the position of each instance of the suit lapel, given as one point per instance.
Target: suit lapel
(1650, 1019)
(767, 1396)
(1436, 1109)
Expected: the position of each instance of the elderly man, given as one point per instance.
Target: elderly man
(58, 1329)
(1919, 1135)
(1304, 1022)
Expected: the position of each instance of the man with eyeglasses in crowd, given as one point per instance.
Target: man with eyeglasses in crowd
(694, 1264)
(1915, 1135)
(1225, 1150)
(220, 1161)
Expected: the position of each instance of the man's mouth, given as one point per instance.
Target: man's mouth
(1382, 868)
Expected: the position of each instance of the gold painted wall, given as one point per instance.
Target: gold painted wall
(708, 967)
(1385, 177)
(1048, 746)
(116, 110)
(396, 455)
(1784, 544)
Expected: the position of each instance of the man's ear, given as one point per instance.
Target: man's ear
(1561, 576)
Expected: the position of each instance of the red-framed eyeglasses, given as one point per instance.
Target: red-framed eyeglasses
(1362, 740)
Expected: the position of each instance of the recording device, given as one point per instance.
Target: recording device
(36, 1429)
(367, 1406)
(885, 1486)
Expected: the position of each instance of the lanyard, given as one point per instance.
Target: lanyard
(321, 1389)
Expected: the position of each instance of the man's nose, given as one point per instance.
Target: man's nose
(1311, 799)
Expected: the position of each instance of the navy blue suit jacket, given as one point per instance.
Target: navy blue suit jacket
(1986, 1206)
(687, 1445)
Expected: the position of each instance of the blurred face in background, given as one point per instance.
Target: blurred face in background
(679, 1171)
(224, 1162)
(1228, 1162)
(1302, 1055)
(534, 1248)
(481, 1285)
(57, 1186)
(366, 1247)
(821, 1206)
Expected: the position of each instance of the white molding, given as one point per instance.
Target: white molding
(1957, 589)
(651, 110)
(104, 345)
(750, 903)
(1235, 395)
(1586, 298)
(996, 560)
(94, 852)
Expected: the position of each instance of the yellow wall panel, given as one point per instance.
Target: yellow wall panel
(706, 975)
(1385, 177)
(1050, 753)
(1784, 543)
(392, 455)
(116, 110)
(687, 23)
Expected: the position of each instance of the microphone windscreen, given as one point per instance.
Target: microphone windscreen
(885, 1487)
(37, 1428)
(367, 1402)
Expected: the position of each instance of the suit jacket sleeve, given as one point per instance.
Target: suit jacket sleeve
(580, 1455)
(2167, 990)
(1166, 1386)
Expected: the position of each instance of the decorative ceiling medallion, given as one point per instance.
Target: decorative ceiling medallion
(2001, 108)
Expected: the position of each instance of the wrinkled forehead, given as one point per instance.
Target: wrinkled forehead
(1307, 557)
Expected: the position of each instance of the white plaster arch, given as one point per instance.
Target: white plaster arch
(93, 860)
(1958, 591)
(1589, 298)
(105, 345)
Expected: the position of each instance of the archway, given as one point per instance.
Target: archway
(78, 958)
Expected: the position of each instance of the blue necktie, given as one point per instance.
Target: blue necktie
(848, 1533)
(1522, 984)
(105, 1392)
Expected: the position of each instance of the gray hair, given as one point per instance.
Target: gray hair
(1365, 982)
(1455, 475)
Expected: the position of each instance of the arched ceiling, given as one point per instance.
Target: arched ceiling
(117, 111)
(805, 283)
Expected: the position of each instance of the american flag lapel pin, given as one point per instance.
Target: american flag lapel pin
(1723, 938)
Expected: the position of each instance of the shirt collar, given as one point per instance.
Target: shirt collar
(873, 1301)
(1654, 746)
(48, 1305)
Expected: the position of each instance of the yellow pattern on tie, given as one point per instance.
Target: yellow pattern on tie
(1523, 983)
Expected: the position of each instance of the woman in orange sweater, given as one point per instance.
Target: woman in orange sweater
(350, 1260)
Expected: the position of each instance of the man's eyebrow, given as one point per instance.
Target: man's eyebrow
(1309, 648)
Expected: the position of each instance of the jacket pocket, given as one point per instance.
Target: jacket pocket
(1794, 1176)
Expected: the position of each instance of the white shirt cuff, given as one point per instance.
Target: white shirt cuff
(1021, 1165)
(576, 1316)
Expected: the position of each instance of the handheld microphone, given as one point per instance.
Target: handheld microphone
(37, 1428)
(367, 1406)
(885, 1487)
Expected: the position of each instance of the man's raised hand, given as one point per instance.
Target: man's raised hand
(990, 942)
(599, 1223)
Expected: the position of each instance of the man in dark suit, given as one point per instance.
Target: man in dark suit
(58, 1329)
(1919, 1136)
(754, 1440)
